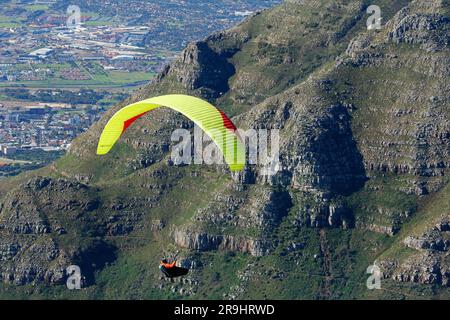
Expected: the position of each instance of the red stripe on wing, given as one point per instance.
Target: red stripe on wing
(227, 122)
(129, 122)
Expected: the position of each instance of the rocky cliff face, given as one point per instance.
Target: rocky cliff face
(26, 262)
(429, 263)
(207, 242)
(364, 124)
(36, 222)
(194, 70)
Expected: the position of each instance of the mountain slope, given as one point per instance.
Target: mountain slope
(364, 123)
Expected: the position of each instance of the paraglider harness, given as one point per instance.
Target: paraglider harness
(171, 270)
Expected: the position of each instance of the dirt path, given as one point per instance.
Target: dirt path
(325, 291)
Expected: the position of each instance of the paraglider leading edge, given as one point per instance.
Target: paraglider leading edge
(211, 120)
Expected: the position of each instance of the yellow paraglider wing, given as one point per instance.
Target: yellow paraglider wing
(210, 119)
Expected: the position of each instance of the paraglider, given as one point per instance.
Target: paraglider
(211, 120)
(171, 270)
